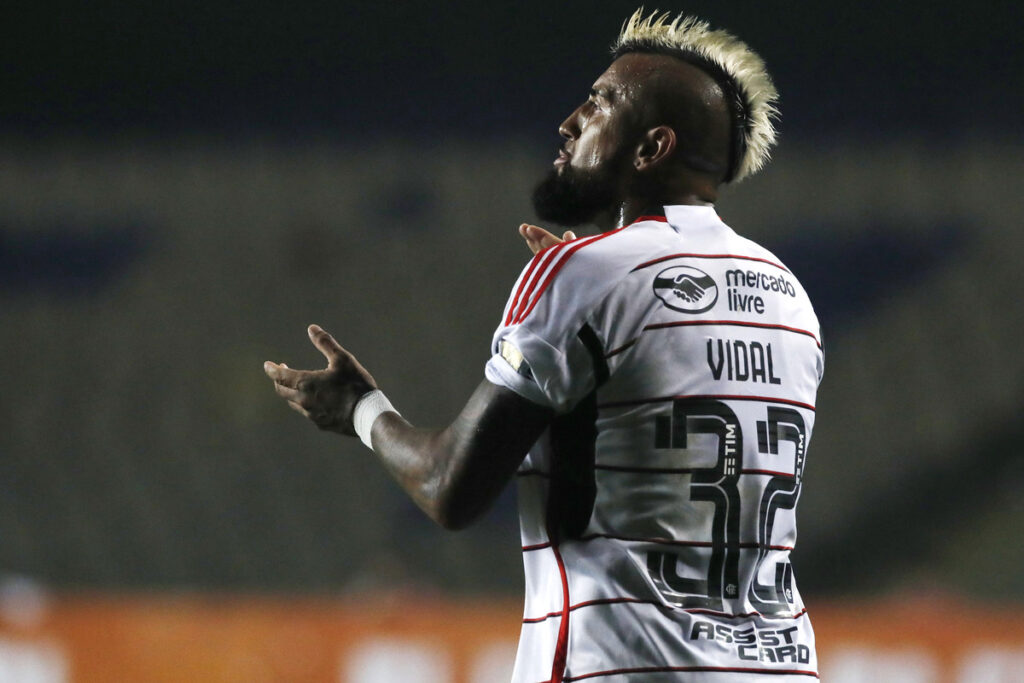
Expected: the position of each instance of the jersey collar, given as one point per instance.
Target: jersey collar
(688, 215)
(688, 218)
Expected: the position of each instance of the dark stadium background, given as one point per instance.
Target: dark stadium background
(184, 186)
(940, 71)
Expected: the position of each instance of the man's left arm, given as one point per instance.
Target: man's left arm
(454, 474)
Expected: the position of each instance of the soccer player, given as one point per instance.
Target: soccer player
(651, 388)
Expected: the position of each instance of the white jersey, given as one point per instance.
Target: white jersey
(658, 510)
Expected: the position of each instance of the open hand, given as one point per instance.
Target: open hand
(327, 397)
(538, 238)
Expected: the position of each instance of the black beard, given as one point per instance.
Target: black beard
(571, 198)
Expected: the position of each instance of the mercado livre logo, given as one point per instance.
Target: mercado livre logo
(686, 289)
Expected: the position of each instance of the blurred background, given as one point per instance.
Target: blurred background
(185, 186)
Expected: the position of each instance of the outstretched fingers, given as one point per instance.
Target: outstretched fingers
(282, 374)
(299, 393)
(327, 345)
(299, 409)
(288, 393)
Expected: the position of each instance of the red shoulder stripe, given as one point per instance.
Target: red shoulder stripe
(517, 316)
(564, 258)
(522, 283)
(542, 258)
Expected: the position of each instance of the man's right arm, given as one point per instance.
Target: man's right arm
(455, 474)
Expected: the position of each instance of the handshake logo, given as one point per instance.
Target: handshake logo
(686, 289)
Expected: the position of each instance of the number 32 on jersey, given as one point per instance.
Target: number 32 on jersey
(718, 485)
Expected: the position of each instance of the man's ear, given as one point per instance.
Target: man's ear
(656, 146)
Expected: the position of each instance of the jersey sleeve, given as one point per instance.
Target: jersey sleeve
(541, 349)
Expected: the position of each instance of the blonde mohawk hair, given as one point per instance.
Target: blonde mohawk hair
(739, 71)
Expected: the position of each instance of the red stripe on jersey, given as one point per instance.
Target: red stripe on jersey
(656, 603)
(735, 256)
(663, 541)
(530, 298)
(693, 669)
(594, 603)
(788, 475)
(720, 397)
(660, 219)
(746, 615)
(622, 348)
(536, 546)
(576, 244)
(734, 323)
(659, 541)
(522, 283)
(672, 541)
(537, 620)
(613, 601)
(677, 470)
(543, 257)
(562, 646)
(563, 259)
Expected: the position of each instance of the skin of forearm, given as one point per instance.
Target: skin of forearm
(421, 461)
(454, 474)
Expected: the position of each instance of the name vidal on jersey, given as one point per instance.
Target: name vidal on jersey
(741, 361)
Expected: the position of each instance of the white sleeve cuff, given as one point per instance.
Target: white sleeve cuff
(367, 410)
(498, 371)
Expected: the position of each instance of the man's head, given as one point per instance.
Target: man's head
(680, 110)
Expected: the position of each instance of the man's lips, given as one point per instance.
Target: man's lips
(563, 158)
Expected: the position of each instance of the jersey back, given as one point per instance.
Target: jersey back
(658, 511)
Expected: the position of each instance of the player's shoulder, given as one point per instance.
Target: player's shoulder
(576, 274)
(756, 255)
(613, 251)
(749, 249)
(761, 268)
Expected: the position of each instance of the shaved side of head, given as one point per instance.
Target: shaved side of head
(691, 102)
(746, 88)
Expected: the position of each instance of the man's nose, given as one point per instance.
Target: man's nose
(570, 129)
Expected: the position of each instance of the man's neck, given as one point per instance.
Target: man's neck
(632, 209)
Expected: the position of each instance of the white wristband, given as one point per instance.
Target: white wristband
(367, 410)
